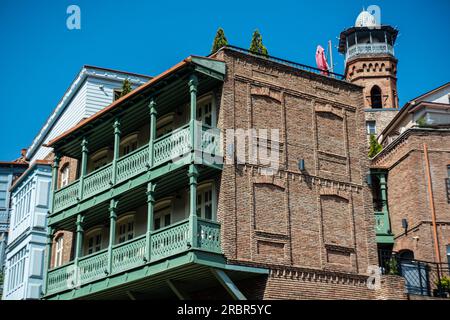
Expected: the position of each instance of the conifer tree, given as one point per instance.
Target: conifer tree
(257, 46)
(126, 88)
(375, 147)
(219, 41)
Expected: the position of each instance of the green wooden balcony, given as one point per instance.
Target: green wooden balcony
(164, 243)
(166, 149)
(383, 227)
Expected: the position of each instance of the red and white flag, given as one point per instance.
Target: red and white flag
(321, 60)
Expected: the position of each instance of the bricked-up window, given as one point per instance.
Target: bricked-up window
(375, 97)
(371, 127)
(447, 183)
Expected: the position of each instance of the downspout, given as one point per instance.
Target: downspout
(433, 212)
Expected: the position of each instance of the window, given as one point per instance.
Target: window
(163, 214)
(3, 188)
(125, 228)
(448, 183)
(375, 97)
(129, 144)
(205, 201)
(164, 125)
(94, 240)
(65, 171)
(448, 255)
(59, 251)
(205, 111)
(16, 269)
(371, 127)
(99, 159)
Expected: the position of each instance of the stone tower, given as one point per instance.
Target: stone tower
(370, 62)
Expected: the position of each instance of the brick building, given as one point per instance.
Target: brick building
(416, 164)
(148, 226)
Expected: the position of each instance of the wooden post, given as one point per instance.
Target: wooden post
(79, 240)
(84, 155)
(117, 133)
(48, 259)
(193, 84)
(153, 114)
(112, 232)
(150, 215)
(55, 169)
(193, 175)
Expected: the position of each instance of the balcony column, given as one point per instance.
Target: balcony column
(150, 217)
(193, 84)
(79, 240)
(117, 133)
(55, 169)
(48, 251)
(153, 114)
(193, 176)
(112, 231)
(382, 178)
(84, 155)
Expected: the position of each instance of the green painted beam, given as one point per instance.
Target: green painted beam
(228, 284)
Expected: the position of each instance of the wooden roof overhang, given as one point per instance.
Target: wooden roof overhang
(169, 89)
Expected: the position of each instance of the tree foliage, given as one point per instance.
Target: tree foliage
(257, 46)
(219, 41)
(375, 147)
(126, 88)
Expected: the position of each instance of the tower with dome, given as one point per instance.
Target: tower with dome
(370, 62)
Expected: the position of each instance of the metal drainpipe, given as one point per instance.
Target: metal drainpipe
(433, 212)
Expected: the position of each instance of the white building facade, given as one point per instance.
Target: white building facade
(93, 89)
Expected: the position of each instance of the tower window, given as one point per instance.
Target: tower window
(375, 97)
(371, 127)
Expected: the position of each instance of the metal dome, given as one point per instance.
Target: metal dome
(365, 19)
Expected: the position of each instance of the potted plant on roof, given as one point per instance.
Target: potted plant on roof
(443, 287)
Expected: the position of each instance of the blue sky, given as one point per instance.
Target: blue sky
(40, 56)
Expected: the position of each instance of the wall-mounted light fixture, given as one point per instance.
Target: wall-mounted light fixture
(405, 225)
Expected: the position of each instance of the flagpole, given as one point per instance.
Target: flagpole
(330, 49)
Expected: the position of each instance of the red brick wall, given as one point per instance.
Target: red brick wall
(321, 218)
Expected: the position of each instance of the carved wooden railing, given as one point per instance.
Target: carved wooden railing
(168, 148)
(66, 196)
(164, 243)
(132, 164)
(97, 181)
(128, 255)
(171, 146)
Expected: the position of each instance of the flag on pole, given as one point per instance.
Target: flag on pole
(321, 60)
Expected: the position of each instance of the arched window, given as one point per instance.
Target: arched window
(94, 240)
(206, 201)
(65, 172)
(59, 245)
(406, 254)
(129, 144)
(206, 111)
(99, 159)
(125, 227)
(164, 125)
(163, 214)
(375, 97)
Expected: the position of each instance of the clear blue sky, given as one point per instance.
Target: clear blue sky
(40, 56)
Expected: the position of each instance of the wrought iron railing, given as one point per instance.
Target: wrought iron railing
(292, 64)
(421, 277)
(369, 48)
(165, 242)
(166, 149)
